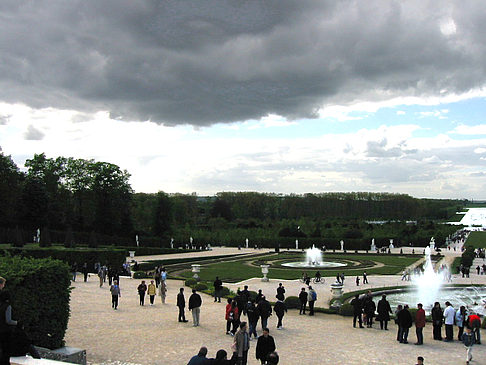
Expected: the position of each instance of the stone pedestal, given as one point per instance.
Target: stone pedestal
(65, 354)
(337, 293)
(132, 254)
(265, 272)
(196, 269)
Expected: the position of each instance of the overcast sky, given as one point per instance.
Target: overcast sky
(271, 96)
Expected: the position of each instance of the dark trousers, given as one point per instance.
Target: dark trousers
(264, 322)
(85, 276)
(182, 316)
(383, 324)
(365, 280)
(449, 332)
(403, 334)
(398, 333)
(157, 282)
(114, 301)
(459, 335)
(477, 333)
(302, 307)
(152, 297)
(279, 324)
(437, 332)
(357, 316)
(369, 320)
(311, 307)
(420, 335)
(110, 279)
(243, 360)
(228, 325)
(142, 299)
(252, 330)
(236, 324)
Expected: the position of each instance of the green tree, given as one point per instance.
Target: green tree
(163, 215)
(10, 191)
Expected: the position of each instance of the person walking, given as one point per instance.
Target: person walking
(449, 314)
(384, 311)
(142, 288)
(195, 303)
(157, 276)
(280, 308)
(229, 316)
(252, 313)
(405, 322)
(151, 291)
(259, 296)
(468, 339)
(420, 324)
(163, 290)
(218, 290)
(303, 300)
(242, 344)
(115, 294)
(437, 320)
(181, 304)
(85, 271)
(265, 346)
(365, 278)
(265, 311)
(100, 275)
(235, 316)
(311, 298)
(460, 321)
(74, 270)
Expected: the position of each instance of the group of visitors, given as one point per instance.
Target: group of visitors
(221, 357)
(468, 323)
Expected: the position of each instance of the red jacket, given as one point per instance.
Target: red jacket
(228, 310)
(420, 319)
(472, 318)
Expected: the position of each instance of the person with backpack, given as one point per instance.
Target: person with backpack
(232, 317)
(303, 300)
(264, 310)
(252, 313)
(115, 294)
(280, 308)
(311, 298)
(405, 322)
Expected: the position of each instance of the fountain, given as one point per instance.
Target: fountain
(428, 283)
(313, 259)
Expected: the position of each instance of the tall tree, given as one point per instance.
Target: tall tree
(163, 215)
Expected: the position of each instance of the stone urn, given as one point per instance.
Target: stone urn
(132, 254)
(337, 293)
(265, 272)
(196, 269)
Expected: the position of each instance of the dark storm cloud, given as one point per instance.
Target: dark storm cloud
(202, 62)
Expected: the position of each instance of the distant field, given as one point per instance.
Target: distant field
(477, 239)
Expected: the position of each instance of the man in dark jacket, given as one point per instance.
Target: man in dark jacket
(303, 300)
(280, 292)
(252, 313)
(357, 311)
(384, 311)
(218, 289)
(195, 302)
(181, 303)
(245, 297)
(265, 346)
(369, 308)
(200, 358)
(264, 310)
(405, 322)
(280, 308)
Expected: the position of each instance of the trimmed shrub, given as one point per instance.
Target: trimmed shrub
(190, 282)
(200, 286)
(483, 325)
(109, 257)
(141, 275)
(292, 302)
(346, 310)
(225, 292)
(40, 290)
(253, 294)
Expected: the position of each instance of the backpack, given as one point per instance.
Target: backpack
(314, 295)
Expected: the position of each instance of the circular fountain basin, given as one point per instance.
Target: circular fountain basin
(320, 265)
(473, 298)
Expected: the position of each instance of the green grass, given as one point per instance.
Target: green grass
(243, 269)
(477, 239)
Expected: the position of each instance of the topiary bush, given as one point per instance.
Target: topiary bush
(346, 310)
(292, 302)
(200, 286)
(190, 282)
(40, 291)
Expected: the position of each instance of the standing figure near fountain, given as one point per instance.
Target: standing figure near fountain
(420, 324)
(437, 318)
(449, 314)
(384, 311)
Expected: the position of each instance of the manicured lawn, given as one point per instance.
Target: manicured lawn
(243, 269)
(477, 239)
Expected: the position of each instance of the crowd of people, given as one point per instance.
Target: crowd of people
(467, 322)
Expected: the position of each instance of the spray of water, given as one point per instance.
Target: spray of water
(428, 283)
(313, 256)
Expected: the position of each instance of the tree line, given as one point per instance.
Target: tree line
(89, 197)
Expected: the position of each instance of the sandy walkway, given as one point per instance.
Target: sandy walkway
(152, 335)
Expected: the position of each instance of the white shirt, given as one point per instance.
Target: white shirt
(449, 314)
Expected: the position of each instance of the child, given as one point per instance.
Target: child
(468, 339)
(420, 360)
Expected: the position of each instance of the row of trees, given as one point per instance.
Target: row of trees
(95, 198)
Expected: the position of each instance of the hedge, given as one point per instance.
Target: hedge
(110, 257)
(40, 291)
(141, 275)
(200, 287)
(292, 302)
